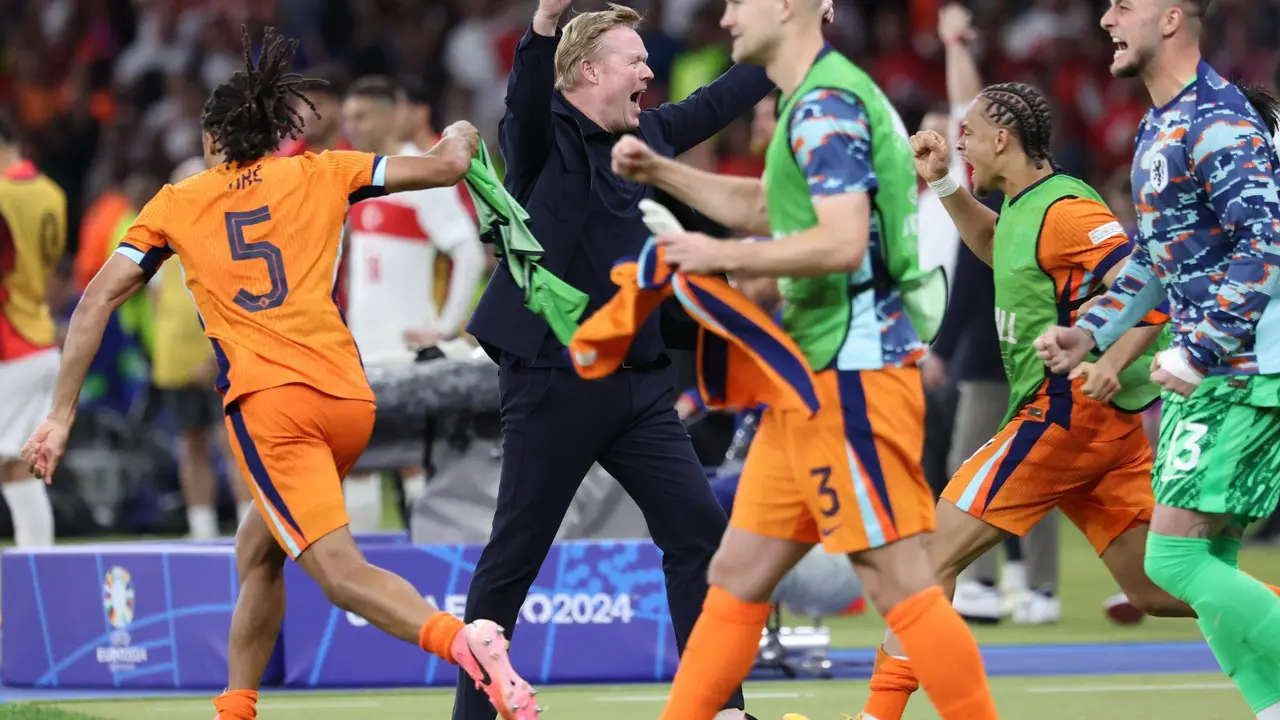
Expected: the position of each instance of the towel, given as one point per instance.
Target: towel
(504, 223)
(744, 358)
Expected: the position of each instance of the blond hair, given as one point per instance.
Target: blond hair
(583, 38)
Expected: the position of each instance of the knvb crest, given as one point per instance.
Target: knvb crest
(1159, 173)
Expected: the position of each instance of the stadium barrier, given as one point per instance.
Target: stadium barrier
(156, 615)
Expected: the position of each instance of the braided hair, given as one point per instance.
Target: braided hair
(251, 113)
(1022, 110)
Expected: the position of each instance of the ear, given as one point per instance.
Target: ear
(1002, 139)
(589, 72)
(1171, 20)
(787, 9)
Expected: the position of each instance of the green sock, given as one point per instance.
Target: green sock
(1256, 676)
(1239, 616)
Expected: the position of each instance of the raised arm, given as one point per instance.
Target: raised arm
(955, 29)
(976, 223)
(525, 132)
(1234, 160)
(734, 202)
(710, 109)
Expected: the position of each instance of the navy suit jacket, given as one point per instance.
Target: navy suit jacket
(550, 172)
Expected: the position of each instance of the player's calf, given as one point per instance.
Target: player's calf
(725, 640)
(944, 656)
(1125, 558)
(256, 620)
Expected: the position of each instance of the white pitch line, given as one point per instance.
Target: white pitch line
(289, 705)
(1129, 688)
(663, 698)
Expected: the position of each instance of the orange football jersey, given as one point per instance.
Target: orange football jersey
(260, 246)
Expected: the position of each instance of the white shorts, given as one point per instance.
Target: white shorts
(26, 397)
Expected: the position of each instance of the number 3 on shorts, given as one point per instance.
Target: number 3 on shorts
(823, 474)
(1184, 450)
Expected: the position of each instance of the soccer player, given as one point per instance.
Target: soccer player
(1053, 246)
(33, 234)
(839, 192)
(259, 241)
(393, 244)
(1208, 208)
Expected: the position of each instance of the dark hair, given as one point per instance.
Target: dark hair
(251, 113)
(375, 87)
(1264, 101)
(415, 92)
(8, 129)
(1023, 110)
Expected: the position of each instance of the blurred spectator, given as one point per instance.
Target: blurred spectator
(183, 370)
(108, 93)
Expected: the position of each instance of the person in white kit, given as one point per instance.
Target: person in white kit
(394, 304)
(33, 235)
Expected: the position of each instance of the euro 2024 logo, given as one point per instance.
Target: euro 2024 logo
(118, 603)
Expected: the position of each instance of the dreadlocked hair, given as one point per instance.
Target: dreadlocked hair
(251, 113)
(1264, 101)
(1023, 110)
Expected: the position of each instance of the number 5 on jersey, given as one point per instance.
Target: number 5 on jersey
(243, 250)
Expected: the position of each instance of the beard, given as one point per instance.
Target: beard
(1134, 67)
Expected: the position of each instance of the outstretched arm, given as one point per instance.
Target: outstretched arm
(832, 147)
(116, 282)
(734, 202)
(444, 165)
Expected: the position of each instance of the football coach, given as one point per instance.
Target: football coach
(570, 96)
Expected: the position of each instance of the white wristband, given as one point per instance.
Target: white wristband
(1175, 363)
(944, 186)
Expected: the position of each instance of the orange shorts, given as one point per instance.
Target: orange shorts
(850, 476)
(1084, 457)
(294, 445)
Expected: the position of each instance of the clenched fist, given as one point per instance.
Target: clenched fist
(466, 132)
(933, 157)
(634, 160)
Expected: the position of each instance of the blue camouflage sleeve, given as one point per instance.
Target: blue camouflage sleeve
(1136, 292)
(831, 142)
(1232, 159)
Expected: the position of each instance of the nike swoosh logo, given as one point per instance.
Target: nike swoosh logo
(484, 674)
(830, 531)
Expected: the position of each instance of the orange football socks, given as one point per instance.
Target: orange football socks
(237, 705)
(944, 656)
(436, 636)
(721, 650)
(892, 682)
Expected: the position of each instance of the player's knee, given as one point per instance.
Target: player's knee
(734, 574)
(256, 548)
(1172, 566)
